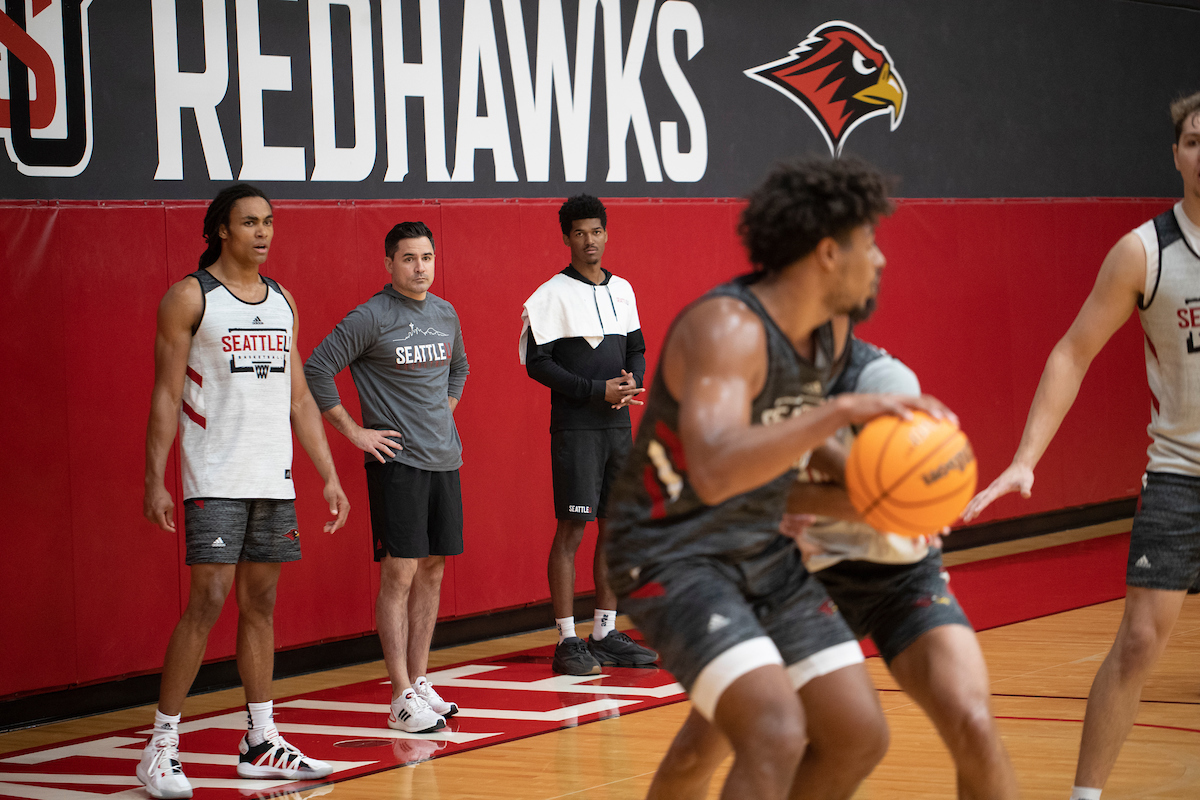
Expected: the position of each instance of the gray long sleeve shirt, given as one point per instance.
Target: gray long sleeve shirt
(407, 358)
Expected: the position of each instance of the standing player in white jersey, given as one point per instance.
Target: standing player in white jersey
(1153, 269)
(226, 375)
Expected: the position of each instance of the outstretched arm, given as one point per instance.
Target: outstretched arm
(715, 364)
(306, 422)
(1113, 298)
(178, 312)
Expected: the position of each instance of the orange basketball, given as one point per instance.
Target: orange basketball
(911, 477)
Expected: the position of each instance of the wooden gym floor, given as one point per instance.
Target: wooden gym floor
(1041, 671)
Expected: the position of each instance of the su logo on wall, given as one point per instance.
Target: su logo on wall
(841, 77)
(46, 124)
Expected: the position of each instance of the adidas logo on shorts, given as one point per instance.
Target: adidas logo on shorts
(716, 622)
(219, 542)
(1143, 562)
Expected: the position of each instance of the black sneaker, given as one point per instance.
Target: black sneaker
(618, 650)
(572, 657)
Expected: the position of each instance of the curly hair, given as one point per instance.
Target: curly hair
(581, 206)
(406, 230)
(1182, 110)
(218, 214)
(805, 200)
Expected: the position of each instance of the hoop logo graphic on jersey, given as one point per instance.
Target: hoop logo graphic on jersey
(258, 350)
(841, 77)
(46, 127)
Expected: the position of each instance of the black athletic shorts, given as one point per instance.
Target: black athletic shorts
(893, 603)
(1164, 548)
(713, 621)
(414, 513)
(585, 465)
(220, 530)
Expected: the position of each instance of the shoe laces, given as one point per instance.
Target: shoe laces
(282, 752)
(619, 636)
(419, 703)
(577, 645)
(427, 693)
(166, 749)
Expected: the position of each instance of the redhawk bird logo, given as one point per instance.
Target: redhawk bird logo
(841, 77)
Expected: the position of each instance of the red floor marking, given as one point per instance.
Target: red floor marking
(1136, 724)
(501, 699)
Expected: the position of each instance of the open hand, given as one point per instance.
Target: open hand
(866, 407)
(1017, 478)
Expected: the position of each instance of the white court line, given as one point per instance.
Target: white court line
(116, 747)
(553, 715)
(237, 721)
(460, 677)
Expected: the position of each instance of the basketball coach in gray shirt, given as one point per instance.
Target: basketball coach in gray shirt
(405, 351)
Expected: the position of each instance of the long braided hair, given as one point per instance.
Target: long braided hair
(218, 214)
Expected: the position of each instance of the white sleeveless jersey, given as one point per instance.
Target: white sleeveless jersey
(235, 421)
(1170, 315)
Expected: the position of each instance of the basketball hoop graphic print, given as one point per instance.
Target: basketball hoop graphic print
(258, 350)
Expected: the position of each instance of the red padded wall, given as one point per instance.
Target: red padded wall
(37, 593)
(974, 296)
(125, 574)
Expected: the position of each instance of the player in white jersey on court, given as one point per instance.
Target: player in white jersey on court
(227, 376)
(1155, 270)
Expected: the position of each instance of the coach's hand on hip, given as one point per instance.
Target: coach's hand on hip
(378, 443)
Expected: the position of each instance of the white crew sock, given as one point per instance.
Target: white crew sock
(605, 623)
(566, 628)
(260, 721)
(1084, 793)
(164, 725)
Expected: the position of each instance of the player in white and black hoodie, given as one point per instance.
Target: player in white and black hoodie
(582, 338)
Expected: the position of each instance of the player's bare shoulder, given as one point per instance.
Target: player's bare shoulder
(716, 336)
(1125, 265)
(182, 305)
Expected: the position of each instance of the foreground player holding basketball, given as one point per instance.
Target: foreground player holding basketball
(890, 588)
(1153, 270)
(227, 376)
(695, 553)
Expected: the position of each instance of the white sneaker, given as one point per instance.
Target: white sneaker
(412, 714)
(274, 758)
(426, 691)
(161, 771)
